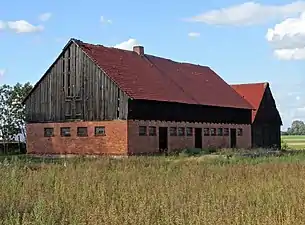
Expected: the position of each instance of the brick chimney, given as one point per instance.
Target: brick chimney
(139, 50)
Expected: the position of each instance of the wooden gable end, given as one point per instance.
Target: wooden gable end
(267, 112)
(75, 88)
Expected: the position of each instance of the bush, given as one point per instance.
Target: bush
(197, 151)
(12, 148)
(192, 151)
(284, 145)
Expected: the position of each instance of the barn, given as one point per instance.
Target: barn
(266, 120)
(102, 100)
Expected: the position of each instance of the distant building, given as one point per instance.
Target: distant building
(101, 100)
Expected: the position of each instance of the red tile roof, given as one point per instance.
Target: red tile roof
(154, 78)
(253, 93)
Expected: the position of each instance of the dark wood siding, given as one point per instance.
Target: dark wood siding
(266, 135)
(153, 110)
(266, 128)
(75, 88)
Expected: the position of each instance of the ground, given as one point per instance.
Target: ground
(230, 189)
(294, 141)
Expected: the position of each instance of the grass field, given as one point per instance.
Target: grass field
(153, 190)
(294, 141)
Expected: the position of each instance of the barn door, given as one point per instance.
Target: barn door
(233, 138)
(163, 142)
(198, 138)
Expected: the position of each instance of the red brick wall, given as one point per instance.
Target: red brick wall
(114, 142)
(147, 144)
(122, 135)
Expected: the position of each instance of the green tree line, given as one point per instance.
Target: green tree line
(297, 128)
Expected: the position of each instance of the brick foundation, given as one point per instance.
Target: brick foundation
(113, 143)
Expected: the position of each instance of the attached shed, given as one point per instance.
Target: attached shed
(266, 120)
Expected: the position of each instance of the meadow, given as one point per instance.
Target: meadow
(153, 190)
(294, 141)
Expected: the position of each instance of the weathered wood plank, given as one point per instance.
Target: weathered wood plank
(106, 101)
(86, 105)
(96, 92)
(50, 96)
(58, 78)
(53, 93)
(91, 97)
(73, 69)
(93, 92)
(67, 68)
(77, 72)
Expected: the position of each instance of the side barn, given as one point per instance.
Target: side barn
(102, 100)
(266, 119)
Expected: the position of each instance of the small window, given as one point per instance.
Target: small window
(213, 131)
(99, 131)
(82, 131)
(189, 131)
(239, 132)
(173, 131)
(48, 132)
(206, 132)
(152, 131)
(65, 132)
(219, 132)
(181, 131)
(142, 131)
(225, 131)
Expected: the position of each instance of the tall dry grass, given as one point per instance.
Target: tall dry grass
(153, 191)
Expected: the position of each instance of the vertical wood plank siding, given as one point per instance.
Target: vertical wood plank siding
(92, 96)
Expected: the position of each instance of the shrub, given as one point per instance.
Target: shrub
(284, 145)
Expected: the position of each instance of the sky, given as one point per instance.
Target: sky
(261, 41)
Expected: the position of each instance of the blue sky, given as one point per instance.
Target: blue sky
(242, 41)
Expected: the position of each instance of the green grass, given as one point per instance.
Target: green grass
(294, 141)
(153, 190)
(293, 137)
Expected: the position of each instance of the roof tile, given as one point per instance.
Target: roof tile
(253, 93)
(153, 78)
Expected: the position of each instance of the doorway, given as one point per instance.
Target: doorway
(198, 137)
(233, 138)
(163, 141)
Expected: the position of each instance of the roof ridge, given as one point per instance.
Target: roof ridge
(125, 50)
(100, 45)
(178, 62)
(264, 83)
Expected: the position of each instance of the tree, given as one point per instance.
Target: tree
(297, 128)
(6, 127)
(5, 112)
(12, 114)
(19, 92)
